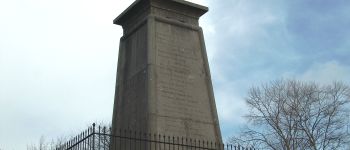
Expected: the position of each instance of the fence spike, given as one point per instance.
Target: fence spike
(149, 136)
(203, 144)
(93, 127)
(190, 141)
(130, 133)
(83, 140)
(182, 141)
(195, 142)
(173, 142)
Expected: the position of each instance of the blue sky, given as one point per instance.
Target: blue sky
(58, 59)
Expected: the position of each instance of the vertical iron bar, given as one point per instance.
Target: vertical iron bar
(203, 144)
(195, 144)
(69, 144)
(76, 142)
(140, 138)
(72, 143)
(169, 142)
(173, 143)
(77, 137)
(178, 142)
(104, 138)
(199, 144)
(83, 142)
(120, 139)
(88, 139)
(155, 144)
(129, 139)
(99, 137)
(182, 143)
(191, 144)
(164, 142)
(208, 145)
(109, 139)
(136, 140)
(160, 140)
(93, 136)
(150, 138)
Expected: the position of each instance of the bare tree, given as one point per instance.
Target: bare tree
(95, 141)
(45, 145)
(289, 114)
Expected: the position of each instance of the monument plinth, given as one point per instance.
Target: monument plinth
(163, 80)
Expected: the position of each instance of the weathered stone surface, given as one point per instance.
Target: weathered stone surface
(163, 79)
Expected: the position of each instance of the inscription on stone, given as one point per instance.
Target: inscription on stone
(180, 70)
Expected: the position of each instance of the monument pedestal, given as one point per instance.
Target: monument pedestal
(163, 79)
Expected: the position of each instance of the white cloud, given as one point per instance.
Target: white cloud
(231, 107)
(327, 72)
(58, 63)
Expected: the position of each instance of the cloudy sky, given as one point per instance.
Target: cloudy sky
(58, 59)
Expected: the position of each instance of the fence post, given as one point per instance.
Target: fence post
(93, 136)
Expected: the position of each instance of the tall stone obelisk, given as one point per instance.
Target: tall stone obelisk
(163, 80)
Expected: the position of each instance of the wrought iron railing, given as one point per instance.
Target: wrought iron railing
(100, 138)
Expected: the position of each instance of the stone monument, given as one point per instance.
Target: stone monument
(163, 80)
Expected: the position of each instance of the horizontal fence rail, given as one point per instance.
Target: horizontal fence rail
(101, 138)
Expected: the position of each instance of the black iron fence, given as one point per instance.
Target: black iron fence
(100, 138)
